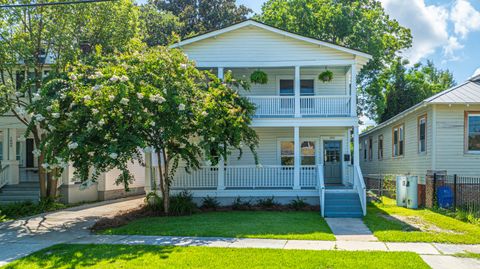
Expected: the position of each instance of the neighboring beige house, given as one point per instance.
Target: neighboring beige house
(441, 133)
(19, 166)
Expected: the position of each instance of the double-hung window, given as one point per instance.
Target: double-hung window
(472, 132)
(422, 134)
(307, 153)
(370, 148)
(287, 87)
(398, 141)
(365, 142)
(380, 147)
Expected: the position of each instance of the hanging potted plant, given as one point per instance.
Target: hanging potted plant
(326, 76)
(259, 77)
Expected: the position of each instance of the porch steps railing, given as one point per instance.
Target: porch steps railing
(4, 176)
(321, 189)
(359, 185)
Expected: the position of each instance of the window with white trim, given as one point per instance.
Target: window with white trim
(307, 153)
(307, 87)
(365, 149)
(422, 134)
(370, 148)
(398, 141)
(472, 132)
(380, 147)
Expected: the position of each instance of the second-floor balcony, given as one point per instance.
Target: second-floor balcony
(302, 106)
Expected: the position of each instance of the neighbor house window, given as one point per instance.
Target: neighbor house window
(380, 147)
(398, 140)
(422, 134)
(286, 153)
(370, 148)
(472, 132)
(365, 149)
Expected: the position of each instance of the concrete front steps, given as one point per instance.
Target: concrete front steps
(25, 191)
(342, 204)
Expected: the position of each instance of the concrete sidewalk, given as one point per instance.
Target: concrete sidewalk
(22, 237)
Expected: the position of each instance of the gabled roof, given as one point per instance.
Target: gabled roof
(465, 93)
(264, 26)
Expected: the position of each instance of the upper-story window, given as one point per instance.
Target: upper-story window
(287, 87)
(380, 147)
(422, 134)
(472, 132)
(398, 141)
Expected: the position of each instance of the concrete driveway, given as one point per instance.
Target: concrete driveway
(21, 237)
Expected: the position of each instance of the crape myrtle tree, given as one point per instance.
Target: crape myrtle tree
(100, 115)
(36, 41)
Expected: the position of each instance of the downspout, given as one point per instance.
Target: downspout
(434, 138)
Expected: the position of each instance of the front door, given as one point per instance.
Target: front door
(30, 158)
(332, 161)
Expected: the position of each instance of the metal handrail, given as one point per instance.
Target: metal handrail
(321, 189)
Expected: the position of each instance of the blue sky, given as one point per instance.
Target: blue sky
(447, 32)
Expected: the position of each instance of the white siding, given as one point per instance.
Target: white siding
(254, 45)
(451, 155)
(338, 86)
(412, 162)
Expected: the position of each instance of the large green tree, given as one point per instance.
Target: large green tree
(359, 24)
(158, 26)
(37, 40)
(405, 87)
(199, 16)
(100, 115)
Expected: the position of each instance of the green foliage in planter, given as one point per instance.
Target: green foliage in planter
(259, 77)
(326, 76)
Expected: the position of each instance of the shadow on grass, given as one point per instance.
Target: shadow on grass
(74, 256)
(378, 219)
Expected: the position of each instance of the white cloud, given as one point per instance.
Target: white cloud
(431, 26)
(465, 18)
(428, 25)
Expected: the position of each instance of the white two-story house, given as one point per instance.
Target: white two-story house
(305, 125)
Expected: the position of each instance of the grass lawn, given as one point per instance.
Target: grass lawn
(438, 227)
(468, 255)
(246, 224)
(141, 256)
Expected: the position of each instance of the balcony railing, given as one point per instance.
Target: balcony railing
(309, 106)
(246, 177)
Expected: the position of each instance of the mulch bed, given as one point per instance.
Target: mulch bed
(126, 216)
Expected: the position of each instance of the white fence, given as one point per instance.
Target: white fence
(4, 176)
(319, 105)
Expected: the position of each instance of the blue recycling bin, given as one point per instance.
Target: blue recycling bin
(445, 197)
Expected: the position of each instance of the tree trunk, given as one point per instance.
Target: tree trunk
(53, 182)
(42, 177)
(165, 196)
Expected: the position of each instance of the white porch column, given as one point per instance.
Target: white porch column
(221, 161)
(296, 158)
(4, 146)
(297, 91)
(356, 148)
(10, 156)
(353, 91)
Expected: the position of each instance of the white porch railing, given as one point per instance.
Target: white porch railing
(4, 175)
(273, 105)
(326, 106)
(246, 177)
(204, 178)
(318, 105)
(359, 185)
(321, 189)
